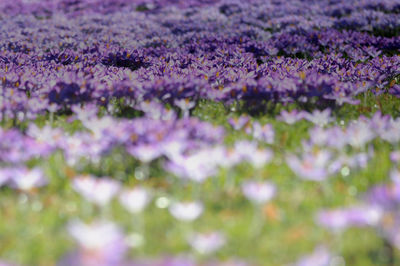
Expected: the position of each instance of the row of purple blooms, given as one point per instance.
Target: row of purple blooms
(51, 64)
(194, 149)
(37, 88)
(266, 15)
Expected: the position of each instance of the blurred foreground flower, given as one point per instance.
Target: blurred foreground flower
(258, 192)
(97, 190)
(310, 166)
(320, 118)
(291, 117)
(26, 179)
(100, 243)
(207, 243)
(135, 200)
(239, 123)
(355, 216)
(186, 211)
(320, 257)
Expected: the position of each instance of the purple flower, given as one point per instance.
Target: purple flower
(27, 179)
(5, 175)
(134, 200)
(152, 109)
(197, 166)
(185, 105)
(311, 166)
(395, 156)
(239, 123)
(248, 151)
(291, 117)
(259, 192)
(165, 261)
(320, 118)
(145, 152)
(359, 134)
(264, 133)
(50, 136)
(186, 211)
(385, 196)
(97, 190)
(389, 228)
(321, 256)
(358, 216)
(207, 243)
(100, 243)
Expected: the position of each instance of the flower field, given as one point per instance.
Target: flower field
(199, 132)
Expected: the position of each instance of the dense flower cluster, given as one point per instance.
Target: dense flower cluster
(62, 53)
(130, 74)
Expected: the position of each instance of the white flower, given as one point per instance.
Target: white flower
(27, 179)
(97, 235)
(259, 192)
(135, 200)
(320, 118)
(97, 190)
(186, 211)
(207, 243)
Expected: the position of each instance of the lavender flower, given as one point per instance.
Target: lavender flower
(207, 243)
(239, 123)
(185, 105)
(145, 153)
(5, 175)
(340, 219)
(321, 256)
(264, 133)
(97, 190)
(259, 192)
(100, 243)
(26, 179)
(135, 200)
(186, 211)
(320, 118)
(291, 117)
(311, 166)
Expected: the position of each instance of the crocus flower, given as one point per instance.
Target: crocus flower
(311, 166)
(97, 190)
(100, 243)
(47, 134)
(248, 151)
(359, 134)
(180, 260)
(207, 243)
(185, 105)
(186, 211)
(197, 166)
(259, 192)
(5, 175)
(321, 256)
(239, 123)
(290, 117)
(145, 152)
(27, 179)
(260, 157)
(320, 118)
(264, 133)
(395, 156)
(135, 200)
(358, 216)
